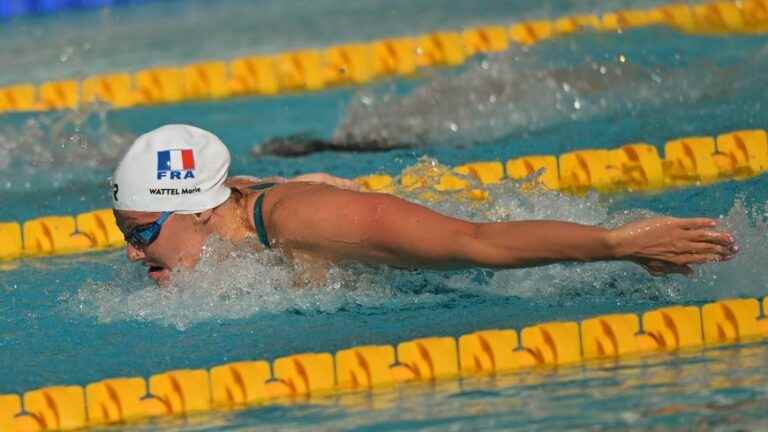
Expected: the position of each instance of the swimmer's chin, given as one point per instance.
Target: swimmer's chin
(161, 276)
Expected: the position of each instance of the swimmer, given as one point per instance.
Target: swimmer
(303, 144)
(171, 192)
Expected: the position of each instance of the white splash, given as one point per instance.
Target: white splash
(521, 91)
(233, 282)
(71, 138)
(745, 275)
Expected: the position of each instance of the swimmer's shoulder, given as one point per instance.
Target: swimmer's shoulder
(295, 194)
(312, 199)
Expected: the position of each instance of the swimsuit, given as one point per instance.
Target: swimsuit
(258, 216)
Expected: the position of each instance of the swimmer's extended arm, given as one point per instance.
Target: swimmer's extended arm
(384, 229)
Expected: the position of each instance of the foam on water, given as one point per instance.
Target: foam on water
(60, 144)
(524, 90)
(80, 137)
(233, 282)
(626, 282)
(745, 275)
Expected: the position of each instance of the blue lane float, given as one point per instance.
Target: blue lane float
(10, 9)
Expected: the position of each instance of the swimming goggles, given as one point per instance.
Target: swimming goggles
(143, 236)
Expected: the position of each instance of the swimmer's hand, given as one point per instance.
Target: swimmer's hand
(665, 245)
(325, 178)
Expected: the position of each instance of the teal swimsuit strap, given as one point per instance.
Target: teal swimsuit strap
(258, 215)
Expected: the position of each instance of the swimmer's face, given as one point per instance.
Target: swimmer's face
(179, 244)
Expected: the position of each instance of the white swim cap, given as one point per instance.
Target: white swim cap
(176, 168)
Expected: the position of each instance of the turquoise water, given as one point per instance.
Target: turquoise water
(77, 319)
(184, 31)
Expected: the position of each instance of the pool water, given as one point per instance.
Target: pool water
(78, 319)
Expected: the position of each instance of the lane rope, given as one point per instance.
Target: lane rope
(348, 372)
(360, 63)
(632, 168)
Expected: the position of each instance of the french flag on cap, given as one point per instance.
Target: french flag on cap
(175, 160)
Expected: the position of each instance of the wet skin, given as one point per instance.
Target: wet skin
(181, 238)
(333, 224)
(177, 245)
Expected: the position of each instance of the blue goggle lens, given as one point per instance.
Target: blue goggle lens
(144, 235)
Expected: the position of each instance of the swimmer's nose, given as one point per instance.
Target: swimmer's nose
(134, 254)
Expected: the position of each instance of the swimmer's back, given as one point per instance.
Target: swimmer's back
(247, 185)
